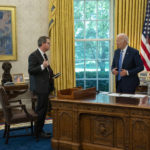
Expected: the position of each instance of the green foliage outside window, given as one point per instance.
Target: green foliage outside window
(92, 43)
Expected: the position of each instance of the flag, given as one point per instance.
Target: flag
(52, 10)
(145, 41)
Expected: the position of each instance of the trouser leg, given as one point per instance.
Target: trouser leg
(41, 110)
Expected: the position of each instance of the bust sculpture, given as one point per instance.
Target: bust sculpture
(6, 76)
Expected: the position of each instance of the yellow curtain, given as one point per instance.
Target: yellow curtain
(62, 51)
(129, 19)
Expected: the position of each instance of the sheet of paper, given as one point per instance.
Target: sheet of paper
(114, 94)
(138, 95)
(104, 93)
(126, 95)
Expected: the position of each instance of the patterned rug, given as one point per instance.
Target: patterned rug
(27, 142)
(2, 125)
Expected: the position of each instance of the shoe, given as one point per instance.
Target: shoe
(48, 133)
(44, 135)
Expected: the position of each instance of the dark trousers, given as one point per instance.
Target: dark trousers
(121, 88)
(41, 110)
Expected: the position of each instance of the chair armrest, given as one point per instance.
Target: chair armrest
(14, 101)
(14, 106)
(23, 108)
(34, 98)
(28, 114)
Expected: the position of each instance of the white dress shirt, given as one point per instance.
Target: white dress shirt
(123, 55)
(124, 52)
(42, 53)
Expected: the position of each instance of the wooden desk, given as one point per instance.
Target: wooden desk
(15, 90)
(100, 123)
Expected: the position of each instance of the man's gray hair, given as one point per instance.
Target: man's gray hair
(42, 40)
(124, 36)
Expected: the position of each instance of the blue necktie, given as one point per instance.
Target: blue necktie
(120, 64)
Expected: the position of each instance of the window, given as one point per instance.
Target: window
(92, 20)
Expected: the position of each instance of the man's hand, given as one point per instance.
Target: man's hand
(123, 73)
(115, 71)
(45, 63)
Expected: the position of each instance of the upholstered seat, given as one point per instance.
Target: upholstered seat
(15, 114)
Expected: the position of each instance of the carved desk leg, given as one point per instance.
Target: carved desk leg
(127, 131)
(54, 139)
(76, 134)
(65, 127)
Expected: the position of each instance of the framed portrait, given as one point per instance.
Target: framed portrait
(8, 43)
(18, 78)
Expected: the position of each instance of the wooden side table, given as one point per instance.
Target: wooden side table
(15, 90)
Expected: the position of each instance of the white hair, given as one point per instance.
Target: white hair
(124, 36)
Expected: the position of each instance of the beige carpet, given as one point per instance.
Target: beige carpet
(47, 121)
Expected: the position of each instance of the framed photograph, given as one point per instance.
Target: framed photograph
(18, 78)
(8, 46)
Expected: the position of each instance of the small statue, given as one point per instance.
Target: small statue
(6, 76)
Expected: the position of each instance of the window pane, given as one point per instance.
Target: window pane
(90, 69)
(103, 9)
(80, 83)
(92, 25)
(79, 48)
(79, 29)
(103, 65)
(90, 29)
(103, 29)
(79, 68)
(90, 83)
(90, 10)
(103, 50)
(103, 74)
(79, 11)
(103, 85)
(90, 49)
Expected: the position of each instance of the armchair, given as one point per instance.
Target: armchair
(22, 115)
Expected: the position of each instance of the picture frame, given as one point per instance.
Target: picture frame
(8, 43)
(144, 77)
(18, 78)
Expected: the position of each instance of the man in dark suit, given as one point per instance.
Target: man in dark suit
(42, 82)
(126, 65)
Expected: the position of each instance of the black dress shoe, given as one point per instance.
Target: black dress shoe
(48, 133)
(44, 135)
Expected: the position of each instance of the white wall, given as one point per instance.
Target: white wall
(31, 22)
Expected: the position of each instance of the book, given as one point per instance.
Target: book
(56, 75)
(8, 83)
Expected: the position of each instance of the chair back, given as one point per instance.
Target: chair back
(4, 102)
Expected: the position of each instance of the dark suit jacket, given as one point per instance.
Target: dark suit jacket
(132, 63)
(41, 81)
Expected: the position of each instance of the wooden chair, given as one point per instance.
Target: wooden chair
(33, 95)
(34, 100)
(11, 116)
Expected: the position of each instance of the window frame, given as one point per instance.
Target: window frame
(111, 45)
